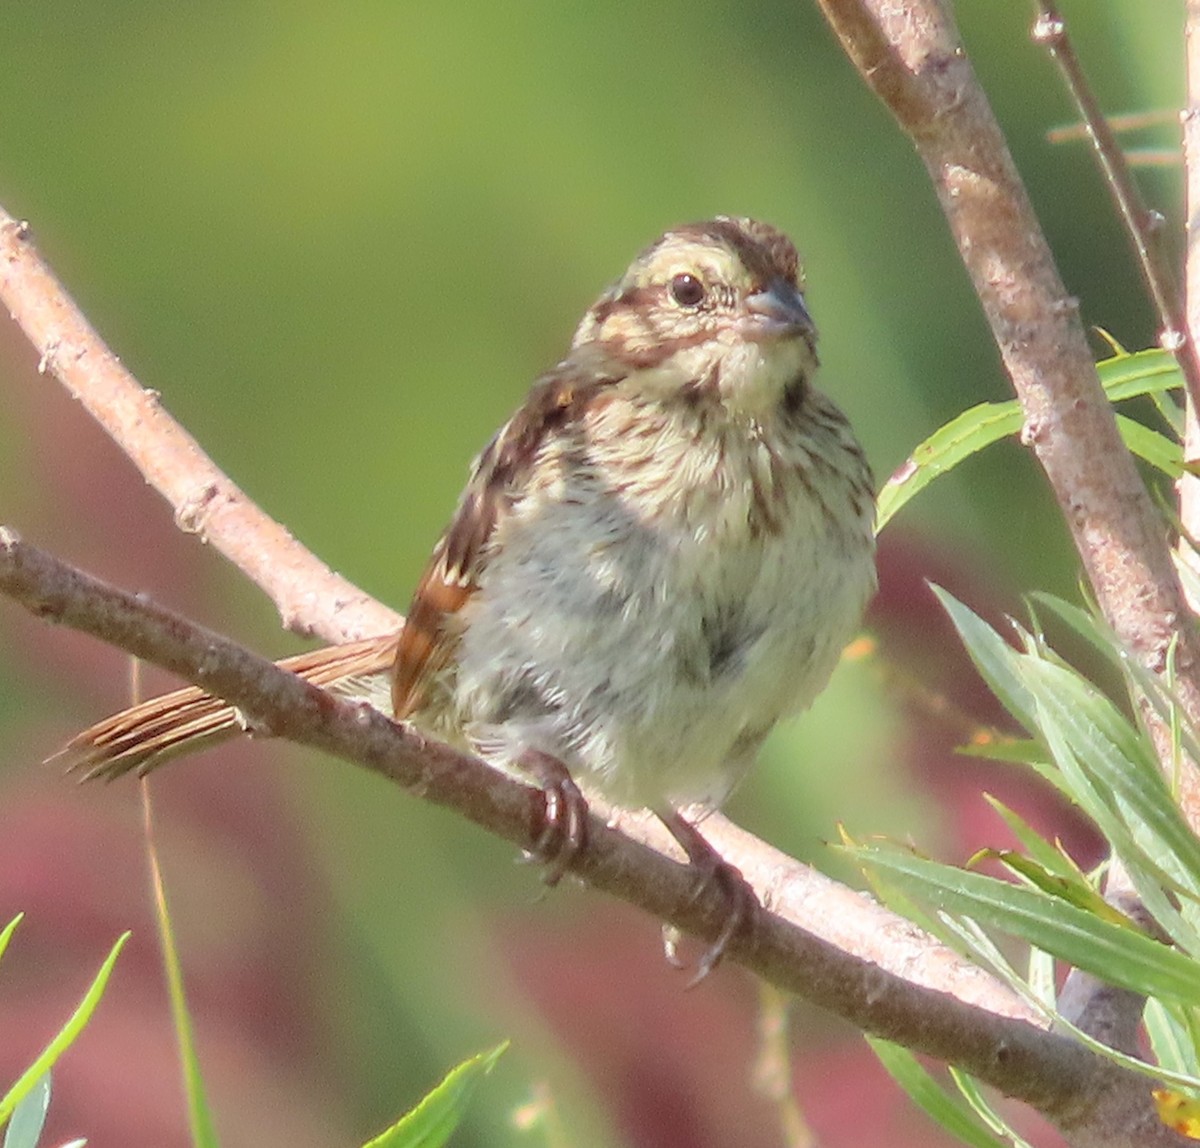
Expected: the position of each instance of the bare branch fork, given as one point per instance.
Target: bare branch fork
(912, 57)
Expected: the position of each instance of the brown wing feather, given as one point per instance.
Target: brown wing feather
(147, 735)
(498, 476)
(424, 646)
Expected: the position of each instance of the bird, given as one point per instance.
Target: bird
(659, 556)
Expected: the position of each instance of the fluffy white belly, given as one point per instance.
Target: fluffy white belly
(654, 663)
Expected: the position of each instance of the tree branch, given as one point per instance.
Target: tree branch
(910, 54)
(1142, 226)
(310, 597)
(1070, 1085)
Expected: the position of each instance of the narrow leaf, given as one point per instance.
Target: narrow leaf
(1068, 889)
(970, 432)
(1150, 372)
(925, 1092)
(430, 1124)
(1173, 1037)
(1102, 743)
(986, 954)
(1041, 979)
(1120, 956)
(1050, 857)
(66, 1036)
(1014, 750)
(200, 1121)
(1123, 376)
(973, 1095)
(29, 1117)
(996, 661)
(9, 929)
(1153, 447)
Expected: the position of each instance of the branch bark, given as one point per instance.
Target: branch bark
(911, 56)
(311, 598)
(1092, 1100)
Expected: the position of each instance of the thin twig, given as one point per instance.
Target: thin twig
(310, 597)
(1189, 485)
(1118, 122)
(1071, 1086)
(1143, 226)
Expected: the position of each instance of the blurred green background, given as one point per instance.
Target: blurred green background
(341, 240)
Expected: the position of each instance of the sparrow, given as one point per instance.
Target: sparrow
(661, 554)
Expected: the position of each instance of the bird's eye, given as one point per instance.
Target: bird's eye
(687, 290)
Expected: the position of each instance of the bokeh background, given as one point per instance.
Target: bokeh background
(341, 240)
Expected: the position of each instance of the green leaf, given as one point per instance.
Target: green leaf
(1043, 986)
(1093, 630)
(900, 904)
(1049, 857)
(66, 1036)
(1087, 733)
(1160, 862)
(1123, 377)
(1102, 762)
(200, 1121)
(1069, 889)
(996, 661)
(1142, 683)
(925, 1092)
(1015, 750)
(1173, 1037)
(1159, 691)
(9, 929)
(29, 1116)
(1118, 955)
(430, 1124)
(1150, 372)
(969, 433)
(1156, 689)
(976, 942)
(1153, 447)
(973, 1095)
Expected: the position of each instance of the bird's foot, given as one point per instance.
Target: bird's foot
(740, 899)
(563, 831)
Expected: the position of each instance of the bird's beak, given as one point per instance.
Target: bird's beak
(778, 312)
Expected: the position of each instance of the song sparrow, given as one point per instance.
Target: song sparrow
(661, 554)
